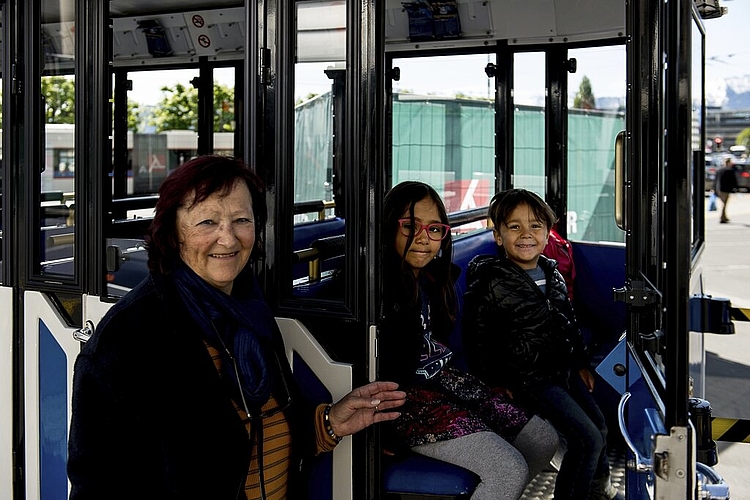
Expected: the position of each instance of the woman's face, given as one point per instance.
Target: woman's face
(217, 235)
(422, 249)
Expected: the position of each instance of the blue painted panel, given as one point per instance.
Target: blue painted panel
(644, 420)
(53, 414)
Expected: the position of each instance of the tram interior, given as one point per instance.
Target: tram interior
(170, 32)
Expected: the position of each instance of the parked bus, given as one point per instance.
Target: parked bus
(334, 102)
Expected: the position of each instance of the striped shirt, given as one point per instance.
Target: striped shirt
(277, 445)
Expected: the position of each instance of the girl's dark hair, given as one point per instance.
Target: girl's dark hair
(202, 176)
(397, 273)
(504, 202)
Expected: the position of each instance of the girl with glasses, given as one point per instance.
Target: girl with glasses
(448, 415)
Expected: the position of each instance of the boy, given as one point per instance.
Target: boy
(520, 334)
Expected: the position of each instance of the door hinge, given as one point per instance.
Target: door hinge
(264, 60)
(15, 82)
(637, 293)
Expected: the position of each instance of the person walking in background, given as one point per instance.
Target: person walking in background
(520, 333)
(449, 414)
(184, 390)
(725, 184)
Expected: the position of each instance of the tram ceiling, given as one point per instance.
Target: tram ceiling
(149, 39)
(521, 22)
(141, 7)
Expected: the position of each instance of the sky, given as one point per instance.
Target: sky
(727, 48)
(727, 57)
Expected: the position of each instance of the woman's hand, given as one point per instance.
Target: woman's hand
(365, 406)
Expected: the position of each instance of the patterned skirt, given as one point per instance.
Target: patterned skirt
(453, 404)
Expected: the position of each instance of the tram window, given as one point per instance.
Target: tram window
(56, 223)
(2, 173)
(319, 87)
(314, 176)
(528, 121)
(596, 113)
(697, 180)
(224, 112)
(164, 111)
(319, 93)
(443, 127)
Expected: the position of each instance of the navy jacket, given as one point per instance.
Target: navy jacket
(151, 417)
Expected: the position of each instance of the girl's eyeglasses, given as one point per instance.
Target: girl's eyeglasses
(435, 232)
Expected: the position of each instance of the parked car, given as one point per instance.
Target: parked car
(742, 169)
(714, 161)
(710, 174)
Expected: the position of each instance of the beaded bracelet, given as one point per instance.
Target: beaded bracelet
(327, 423)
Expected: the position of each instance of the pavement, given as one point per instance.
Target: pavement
(726, 273)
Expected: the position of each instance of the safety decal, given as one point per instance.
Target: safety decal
(733, 430)
(739, 314)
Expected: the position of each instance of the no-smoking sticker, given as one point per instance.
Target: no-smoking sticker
(204, 41)
(198, 21)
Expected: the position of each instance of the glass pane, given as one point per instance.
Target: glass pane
(528, 121)
(699, 135)
(224, 117)
(596, 113)
(164, 107)
(314, 139)
(443, 130)
(319, 86)
(2, 172)
(57, 211)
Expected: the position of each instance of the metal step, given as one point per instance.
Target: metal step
(542, 486)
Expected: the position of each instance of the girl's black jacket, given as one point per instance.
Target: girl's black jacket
(515, 335)
(151, 418)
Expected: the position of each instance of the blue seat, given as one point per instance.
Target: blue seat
(466, 248)
(307, 233)
(599, 269)
(419, 475)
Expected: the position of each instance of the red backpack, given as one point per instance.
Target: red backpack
(561, 250)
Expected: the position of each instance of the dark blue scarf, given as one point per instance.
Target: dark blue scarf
(239, 326)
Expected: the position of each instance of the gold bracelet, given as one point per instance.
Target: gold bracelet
(327, 423)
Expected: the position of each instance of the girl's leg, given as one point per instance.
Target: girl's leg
(501, 468)
(538, 441)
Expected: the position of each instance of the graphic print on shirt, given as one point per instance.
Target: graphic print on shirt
(434, 355)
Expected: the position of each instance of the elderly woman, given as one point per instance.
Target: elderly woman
(184, 390)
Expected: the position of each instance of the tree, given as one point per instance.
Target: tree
(584, 98)
(59, 99)
(743, 138)
(223, 108)
(178, 109)
(134, 116)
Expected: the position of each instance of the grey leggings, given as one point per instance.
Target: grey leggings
(504, 469)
